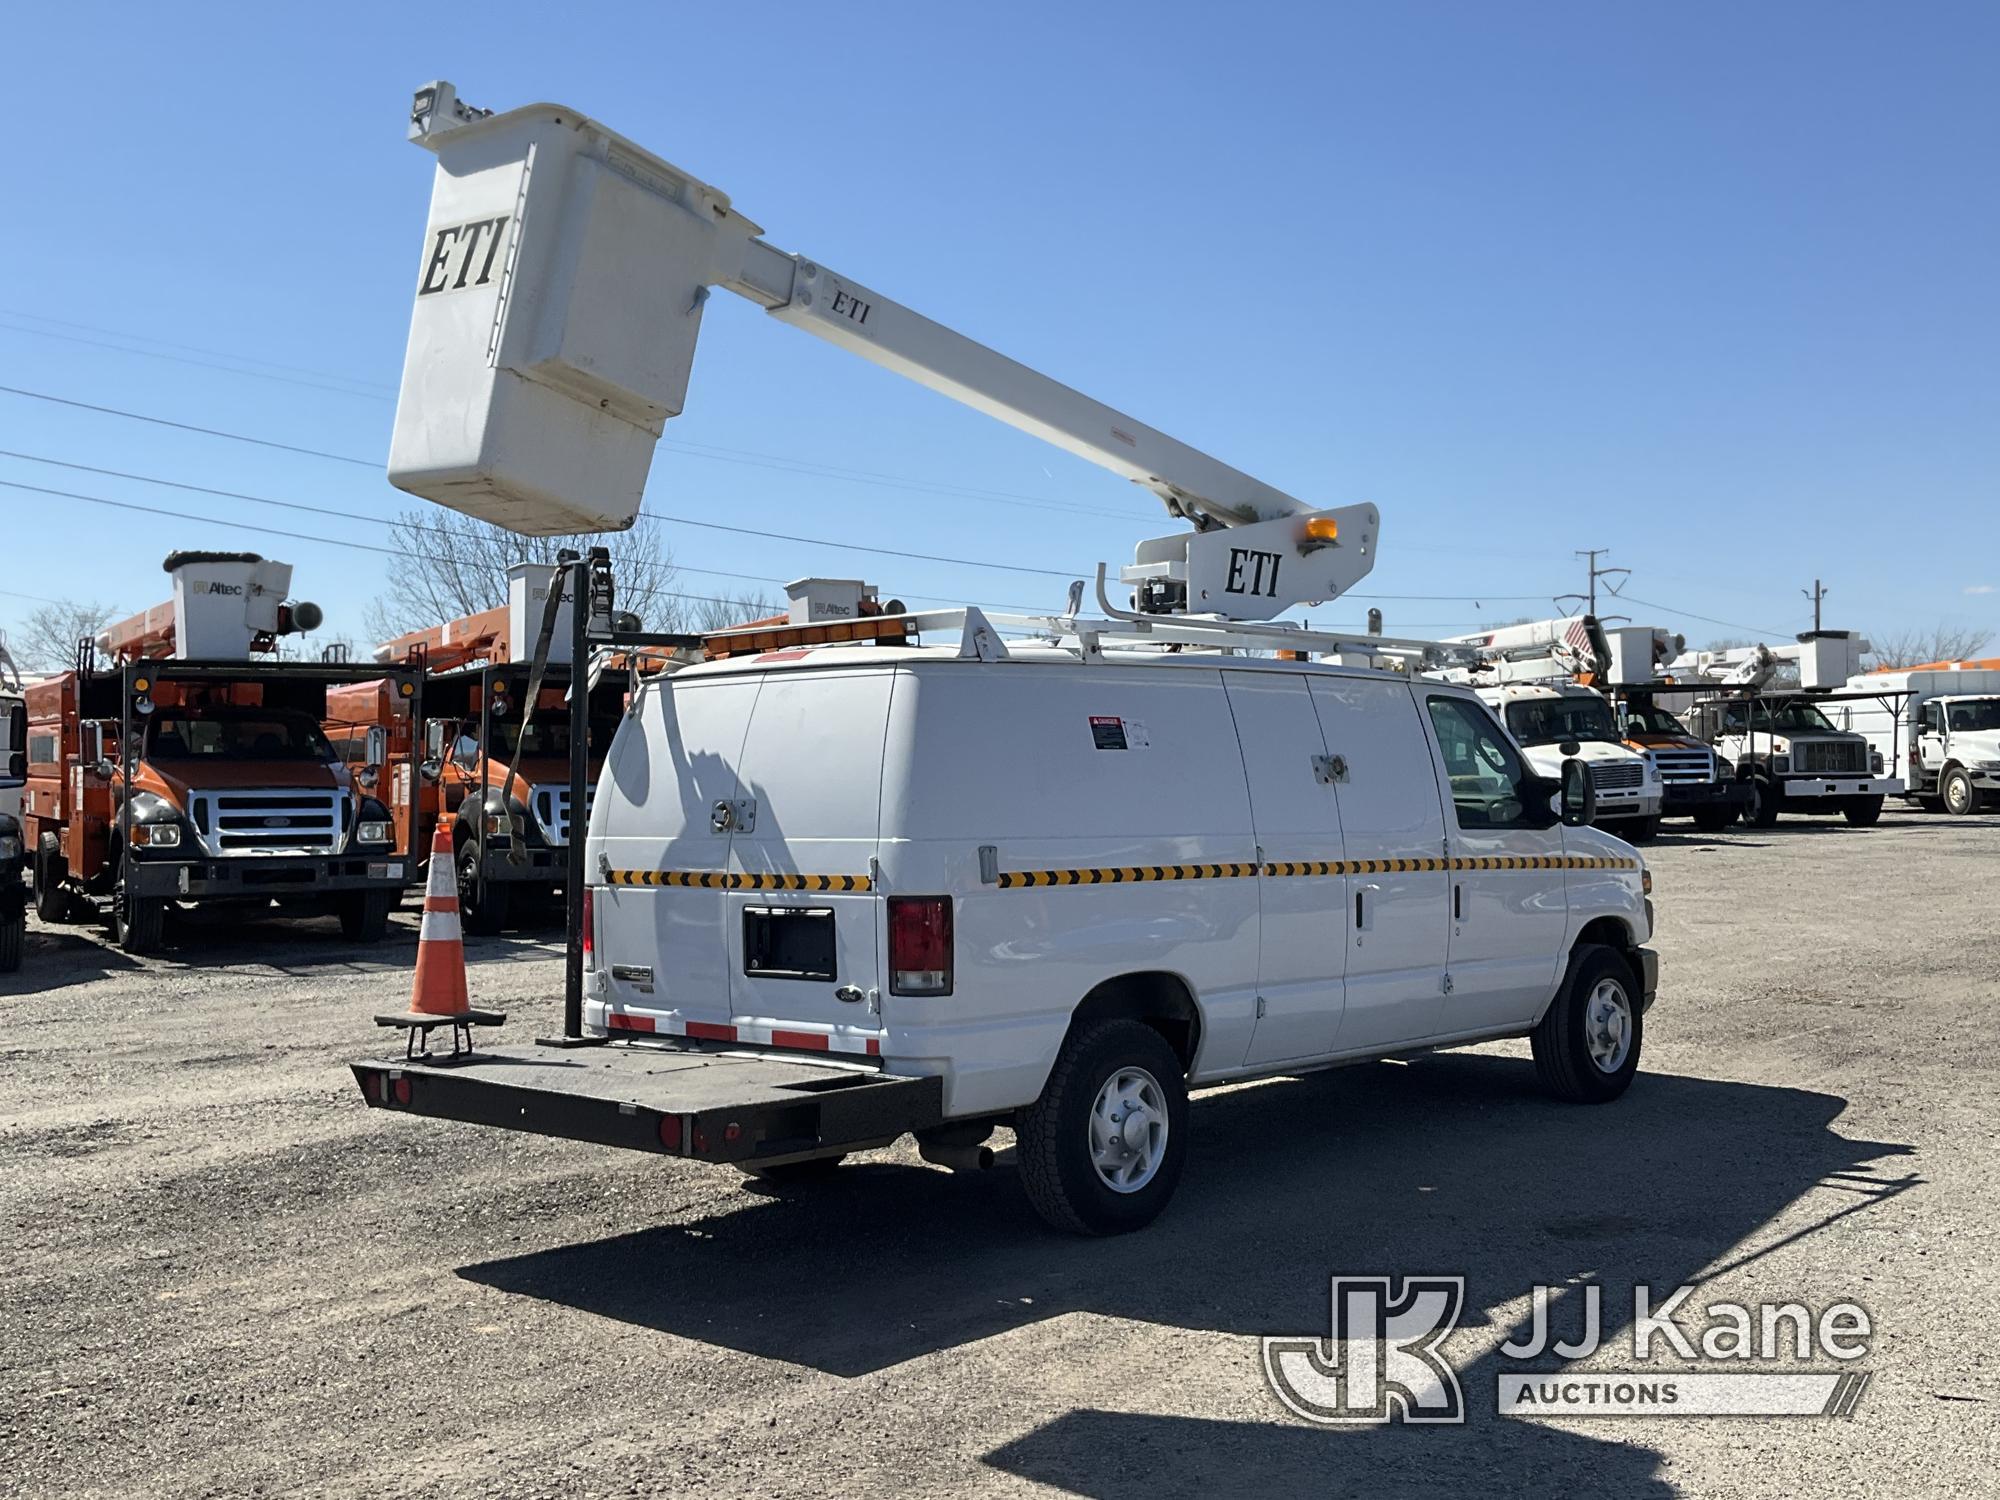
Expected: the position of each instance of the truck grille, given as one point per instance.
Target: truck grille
(1616, 775)
(1837, 757)
(1683, 766)
(550, 802)
(277, 821)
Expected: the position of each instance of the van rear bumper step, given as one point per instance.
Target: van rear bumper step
(680, 1101)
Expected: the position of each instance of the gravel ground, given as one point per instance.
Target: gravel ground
(223, 1275)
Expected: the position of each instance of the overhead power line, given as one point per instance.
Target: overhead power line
(1688, 614)
(238, 358)
(663, 516)
(200, 364)
(235, 437)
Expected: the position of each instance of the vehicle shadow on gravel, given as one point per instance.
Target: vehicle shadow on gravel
(82, 953)
(1452, 1165)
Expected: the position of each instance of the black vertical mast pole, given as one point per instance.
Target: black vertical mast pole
(573, 577)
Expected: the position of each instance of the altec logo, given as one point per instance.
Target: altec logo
(220, 588)
(1384, 1361)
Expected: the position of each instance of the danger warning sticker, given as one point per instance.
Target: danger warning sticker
(1107, 733)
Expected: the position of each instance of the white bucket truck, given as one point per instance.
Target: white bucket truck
(1536, 676)
(869, 873)
(1943, 723)
(1766, 710)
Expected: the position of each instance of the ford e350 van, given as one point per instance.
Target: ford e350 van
(908, 890)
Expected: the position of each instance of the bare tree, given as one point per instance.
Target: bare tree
(448, 565)
(1941, 642)
(48, 641)
(700, 614)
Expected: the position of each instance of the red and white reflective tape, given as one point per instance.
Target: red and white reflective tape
(440, 925)
(749, 1036)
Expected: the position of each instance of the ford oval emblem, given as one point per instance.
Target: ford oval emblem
(277, 822)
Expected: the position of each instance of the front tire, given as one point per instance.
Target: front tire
(482, 905)
(1766, 798)
(139, 923)
(1101, 1150)
(1713, 819)
(364, 915)
(1862, 812)
(1961, 797)
(1640, 830)
(1587, 1044)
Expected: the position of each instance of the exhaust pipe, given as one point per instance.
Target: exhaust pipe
(958, 1158)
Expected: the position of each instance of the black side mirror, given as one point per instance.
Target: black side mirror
(1579, 795)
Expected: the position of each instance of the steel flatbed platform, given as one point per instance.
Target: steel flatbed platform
(715, 1104)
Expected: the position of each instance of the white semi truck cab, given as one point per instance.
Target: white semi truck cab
(867, 874)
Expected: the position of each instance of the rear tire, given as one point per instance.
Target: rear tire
(13, 940)
(1961, 797)
(482, 907)
(1862, 812)
(53, 903)
(1587, 1044)
(1640, 830)
(138, 922)
(1101, 1150)
(1765, 801)
(364, 915)
(1713, 819)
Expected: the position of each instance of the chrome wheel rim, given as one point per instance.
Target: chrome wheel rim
(1607, 1026)
(1128, 1130)
(1955, 795)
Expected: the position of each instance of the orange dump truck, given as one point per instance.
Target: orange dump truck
(503, 791)
(194, 771)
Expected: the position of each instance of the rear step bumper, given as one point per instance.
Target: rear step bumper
(681, 1100)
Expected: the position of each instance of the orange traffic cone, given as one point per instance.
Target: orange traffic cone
(438, 996)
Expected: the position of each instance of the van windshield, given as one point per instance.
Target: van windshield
(254, 734)
(1979, 713)
(1548, 721)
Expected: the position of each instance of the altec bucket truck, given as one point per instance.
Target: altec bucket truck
(1764, 709)
(1540, 678)
(194, 771)
(494, 767)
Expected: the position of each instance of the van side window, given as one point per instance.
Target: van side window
(1485, 769)
(1932, 722)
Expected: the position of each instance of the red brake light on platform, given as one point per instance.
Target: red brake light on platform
(920, 946)
(589, 929)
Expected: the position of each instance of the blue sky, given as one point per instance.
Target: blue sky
(1711, 285)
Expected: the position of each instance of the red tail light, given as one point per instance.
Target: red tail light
(589, 930)
(920, 948)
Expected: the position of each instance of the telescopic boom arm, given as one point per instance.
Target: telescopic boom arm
(558, 303)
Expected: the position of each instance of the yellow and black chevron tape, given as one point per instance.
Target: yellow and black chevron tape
(718, 880)
(1122, 875)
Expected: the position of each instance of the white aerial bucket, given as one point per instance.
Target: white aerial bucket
(558, 299)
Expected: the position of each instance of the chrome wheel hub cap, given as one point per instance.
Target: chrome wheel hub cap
(1128, 1130)
(1607, 1025)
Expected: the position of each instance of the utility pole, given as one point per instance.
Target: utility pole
(1816, 594)
(1589, 600)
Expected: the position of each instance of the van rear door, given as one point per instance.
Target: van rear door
(802, 917)
(659, 913)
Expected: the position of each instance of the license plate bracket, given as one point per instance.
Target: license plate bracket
(790, 942)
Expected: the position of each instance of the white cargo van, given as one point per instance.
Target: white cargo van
(905, 889)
